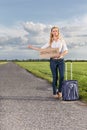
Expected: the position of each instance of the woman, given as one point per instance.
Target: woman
(56, 63)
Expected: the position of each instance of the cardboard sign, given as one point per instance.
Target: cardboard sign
(49, 52)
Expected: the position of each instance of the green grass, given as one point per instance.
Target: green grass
(42, 70)
(2, 62)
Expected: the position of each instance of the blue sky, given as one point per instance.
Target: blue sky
(29, 21)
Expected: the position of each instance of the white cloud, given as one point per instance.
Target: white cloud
(75, 31)
(12, 37)
(37, 32)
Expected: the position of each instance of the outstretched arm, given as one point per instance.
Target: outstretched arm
(34, 48)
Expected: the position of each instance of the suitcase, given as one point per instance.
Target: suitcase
(70, 88)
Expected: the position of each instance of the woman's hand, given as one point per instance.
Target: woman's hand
(30, 46)
(58, 56)
(34, 48)
(61, 55)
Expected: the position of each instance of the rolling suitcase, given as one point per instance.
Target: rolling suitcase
(70, 88)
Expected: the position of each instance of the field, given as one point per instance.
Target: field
(3, 62)
(42, 70)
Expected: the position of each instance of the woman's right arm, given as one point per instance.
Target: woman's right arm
(34, 48)
(38, 49)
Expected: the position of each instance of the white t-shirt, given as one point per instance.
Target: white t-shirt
(57, 44)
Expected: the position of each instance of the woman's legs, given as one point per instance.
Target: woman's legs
(53, 67)
(61, 67)
(57, 65)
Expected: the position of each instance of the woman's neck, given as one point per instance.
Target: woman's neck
(55, 38)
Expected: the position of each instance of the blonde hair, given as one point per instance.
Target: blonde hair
(58, 36)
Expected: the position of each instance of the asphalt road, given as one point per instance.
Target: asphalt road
(26, 103)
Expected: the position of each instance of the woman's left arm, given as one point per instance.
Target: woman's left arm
(62, 54)
(64, 49)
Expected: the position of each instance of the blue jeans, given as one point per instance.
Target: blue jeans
(57, 65)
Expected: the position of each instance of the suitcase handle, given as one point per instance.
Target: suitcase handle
(70, 71)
